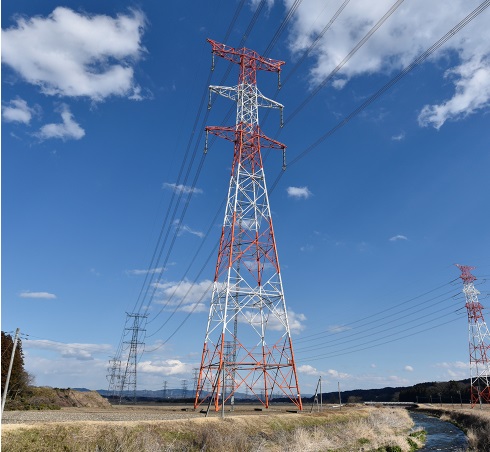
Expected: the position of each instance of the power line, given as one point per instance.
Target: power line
(421, 58)
(345, 60)
(394, 306)
(160, 246)
(371, 333)
(317, 357)
(417, 61)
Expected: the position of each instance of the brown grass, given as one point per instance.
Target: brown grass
(350, 430)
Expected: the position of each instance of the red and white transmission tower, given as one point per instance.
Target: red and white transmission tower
(479, 340)
(248, 342)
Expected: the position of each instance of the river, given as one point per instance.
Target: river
(441, 435)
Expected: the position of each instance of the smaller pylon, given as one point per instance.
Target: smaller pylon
(479, 338)
(135, 347)
(114, 375)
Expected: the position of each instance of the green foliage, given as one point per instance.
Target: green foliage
(390, 449)
(19, 378)
(435, 392)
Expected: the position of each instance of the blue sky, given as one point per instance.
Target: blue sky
(101, 125)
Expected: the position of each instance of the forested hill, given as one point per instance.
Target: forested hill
(431, 392)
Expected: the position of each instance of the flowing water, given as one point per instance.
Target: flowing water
(441, 435)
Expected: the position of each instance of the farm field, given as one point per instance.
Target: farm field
(171, 429)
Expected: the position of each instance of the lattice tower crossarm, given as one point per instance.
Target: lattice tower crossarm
(248, 345)
(479, 340)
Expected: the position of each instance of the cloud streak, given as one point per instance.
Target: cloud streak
(77, 351)
(179, 188)
(397, 238)
(38, 295)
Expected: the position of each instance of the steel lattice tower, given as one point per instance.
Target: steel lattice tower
(114, 375)
(135, 344)
(248, 342)
(479, 340)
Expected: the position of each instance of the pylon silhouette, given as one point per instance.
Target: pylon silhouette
(248, 342)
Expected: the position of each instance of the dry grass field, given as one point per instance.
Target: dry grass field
(138, 430)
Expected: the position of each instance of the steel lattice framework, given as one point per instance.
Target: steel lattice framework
(248, 344)
(128, 377)
(479, 337)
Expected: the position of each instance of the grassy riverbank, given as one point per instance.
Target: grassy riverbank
(362, 428)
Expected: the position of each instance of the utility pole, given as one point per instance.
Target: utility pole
(321, 395)
(340, 399)
(5, 390)
(165, 389)
(248, 307)
(315, 397)
(479, 340)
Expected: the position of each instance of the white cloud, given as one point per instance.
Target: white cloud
(43, 295)
(296, 321)
(472, 93)
(186, 295)
(69, 350)
(398, 237)
(150, 271)
(165, 367)
(55, 372)
(336, 374)
(408, 368)
(308, 370)
(93, 58)
(307, 248)
(178, 188)
(299, 192)
(181, 228)
(338, 328)
(411, 29)
(456, 370)
(17, 110)
(453, 365)
(399, 137)
(66, 130)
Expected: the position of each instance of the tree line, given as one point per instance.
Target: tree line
(20, 379)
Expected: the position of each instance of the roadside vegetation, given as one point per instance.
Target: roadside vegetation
(355, 429)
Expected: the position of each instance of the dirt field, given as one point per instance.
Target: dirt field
(127, 413)
(140, 429)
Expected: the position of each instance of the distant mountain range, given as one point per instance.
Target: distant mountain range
(430, 392)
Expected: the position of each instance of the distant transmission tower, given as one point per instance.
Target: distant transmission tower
(248, 308)
(114, 375)
(479, 340)
(135, 346)
(184, 389)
